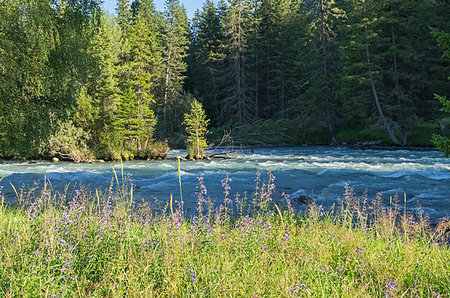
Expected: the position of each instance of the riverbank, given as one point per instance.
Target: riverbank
(105, 244)
(372, 145)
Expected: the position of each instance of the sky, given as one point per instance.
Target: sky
(191, 5)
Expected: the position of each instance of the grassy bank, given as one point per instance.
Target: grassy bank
(104, 244)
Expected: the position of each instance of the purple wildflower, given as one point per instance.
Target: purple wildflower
(201, 194)
(226, 186)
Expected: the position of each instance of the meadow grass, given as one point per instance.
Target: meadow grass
(106, 245)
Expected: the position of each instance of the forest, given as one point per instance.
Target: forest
(79, 83)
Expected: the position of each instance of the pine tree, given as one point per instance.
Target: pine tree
(207, 50)
(237, 105)
(197, 129)
(104, 88)
(385, 68)
(123, 16)
(361, 74)
(283, 30)
(318, 99)
(136, 120)
(175, 45)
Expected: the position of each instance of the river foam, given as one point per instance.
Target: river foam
(320, 172)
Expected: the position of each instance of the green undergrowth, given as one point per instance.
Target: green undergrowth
(106, 245)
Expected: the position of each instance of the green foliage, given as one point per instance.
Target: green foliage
(197, 128)
(321, 64)
(43, 57)
(156, 150)
(135, 122)
(207, 55)
(441, 142)
(174, 46)
(69, 142)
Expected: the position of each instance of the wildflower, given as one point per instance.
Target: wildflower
(391, 285)
(201, 194)
(226, 185)
(287, 236)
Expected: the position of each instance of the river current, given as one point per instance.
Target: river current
(319, 172)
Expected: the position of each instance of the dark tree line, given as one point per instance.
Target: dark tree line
(325, 66)
(78, 83)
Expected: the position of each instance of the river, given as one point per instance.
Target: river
(320, 172)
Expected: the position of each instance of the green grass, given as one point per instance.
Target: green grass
(103, 245)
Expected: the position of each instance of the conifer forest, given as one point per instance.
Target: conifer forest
(79, 83)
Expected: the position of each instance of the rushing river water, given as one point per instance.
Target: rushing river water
(320, 172)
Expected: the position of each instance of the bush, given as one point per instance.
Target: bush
(69, 142)
(155, 150)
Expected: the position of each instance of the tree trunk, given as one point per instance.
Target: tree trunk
(196, 136)
(377, 101)
(139, 111)
(166, 97)
(256, 82)
(325, 71)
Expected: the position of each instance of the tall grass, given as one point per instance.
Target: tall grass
(104, 244)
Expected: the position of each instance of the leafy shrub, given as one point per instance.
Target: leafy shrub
(69, 142)
(155, 150)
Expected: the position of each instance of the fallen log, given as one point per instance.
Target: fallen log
(218, 155)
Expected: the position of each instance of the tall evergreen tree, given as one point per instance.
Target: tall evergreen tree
(104, 85)
(318, 99)
(124, 16)
(207, 49)
(237, 105)
(175, 45)
(135, 120)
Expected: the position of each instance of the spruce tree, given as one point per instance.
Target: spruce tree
(105, 51)
(123, 16)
